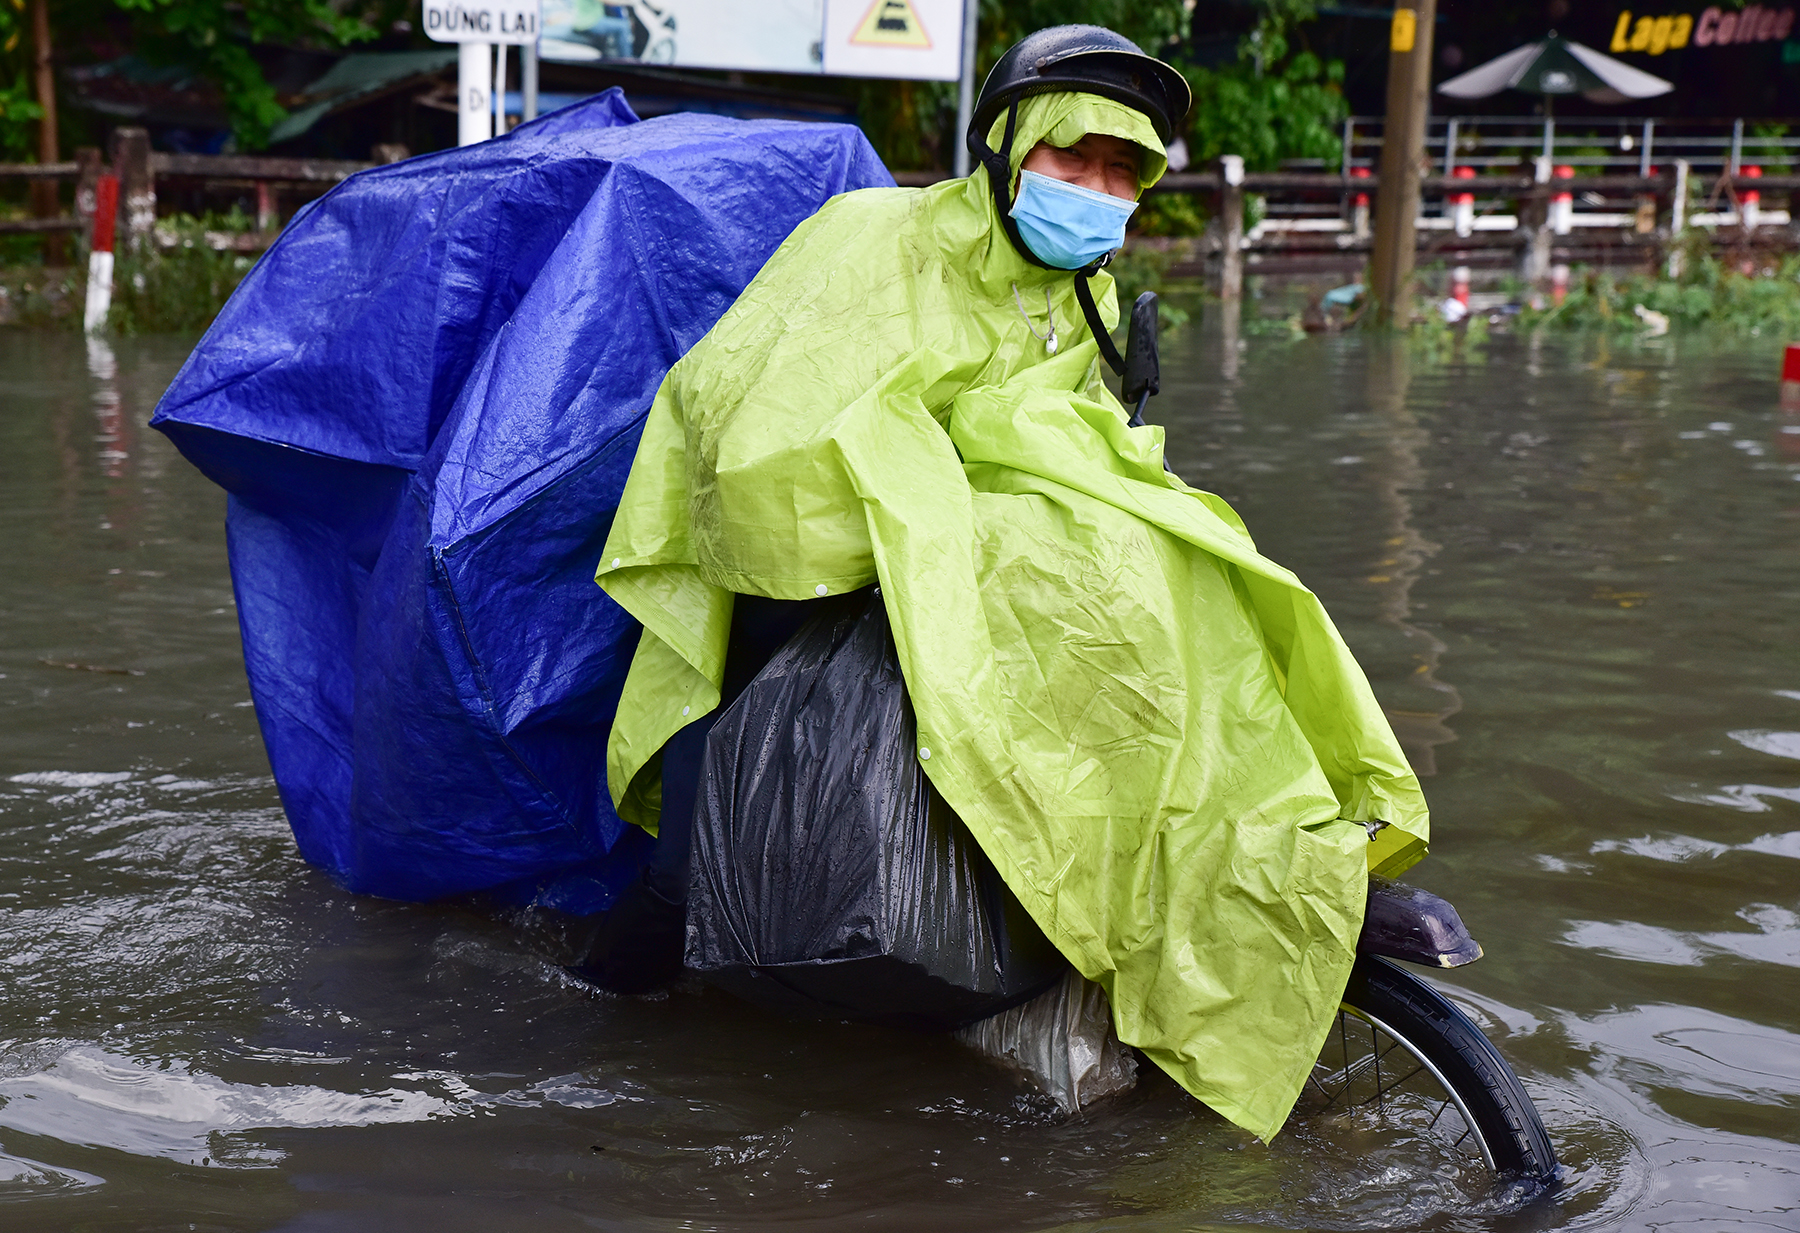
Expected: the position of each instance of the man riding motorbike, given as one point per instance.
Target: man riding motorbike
(1154, 733)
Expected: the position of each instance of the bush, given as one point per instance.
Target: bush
(1742, 293)
(1169, 214)
(1137, 270)
(183, 287)
(176, 288)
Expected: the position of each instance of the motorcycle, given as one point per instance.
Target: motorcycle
(827, 879)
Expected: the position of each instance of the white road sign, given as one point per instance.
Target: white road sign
(919, 39)
(482, 21)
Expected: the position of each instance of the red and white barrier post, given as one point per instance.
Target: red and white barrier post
(1562, 205)
(1559, 283)
(1750, 199)
(1462, 205)
(1459, 285)
(100, 254)
(1359, 206)
(1790, 379)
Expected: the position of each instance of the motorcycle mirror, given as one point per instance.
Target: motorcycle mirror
(1142, 370)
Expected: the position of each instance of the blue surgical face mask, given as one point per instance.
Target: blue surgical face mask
(1068, 226)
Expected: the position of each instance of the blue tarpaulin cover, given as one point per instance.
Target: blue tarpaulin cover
(423, 402)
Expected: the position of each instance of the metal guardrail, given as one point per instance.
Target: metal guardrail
(1641, 142)
(1326, 209)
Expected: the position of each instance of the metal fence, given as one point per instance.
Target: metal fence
(1620, 145)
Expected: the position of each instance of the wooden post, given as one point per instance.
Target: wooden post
(1402, 152)
(1231, 228)
(137, 187)
(88, 165)
(45, 201)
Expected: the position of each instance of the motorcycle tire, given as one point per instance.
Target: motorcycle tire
(1403, 1056)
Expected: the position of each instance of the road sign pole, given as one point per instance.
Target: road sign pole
(965, 91)
(474, 90)
(500, 90)
(528, 80)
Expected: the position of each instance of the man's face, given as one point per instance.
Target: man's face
(1100, 162)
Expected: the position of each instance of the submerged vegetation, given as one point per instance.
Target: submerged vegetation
(1730, 294)
(1744, 294)
(178, 285)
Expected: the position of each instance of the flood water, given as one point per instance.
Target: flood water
(1570, 569)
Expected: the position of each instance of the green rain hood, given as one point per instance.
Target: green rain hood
(1155, 733)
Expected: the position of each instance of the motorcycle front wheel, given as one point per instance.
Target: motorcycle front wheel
(1402, 1058)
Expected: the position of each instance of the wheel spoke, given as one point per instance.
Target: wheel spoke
(1366, 1075)
(1403, 1079)
(1430, 1096)
(1375, 1048)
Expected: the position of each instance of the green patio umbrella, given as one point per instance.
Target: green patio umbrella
(1553, 66)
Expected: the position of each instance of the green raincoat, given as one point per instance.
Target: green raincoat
(1154, 732)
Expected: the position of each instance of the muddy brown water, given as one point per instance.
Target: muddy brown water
(1570, 568)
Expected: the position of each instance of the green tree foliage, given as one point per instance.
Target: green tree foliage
(214, 37)
(1274, 102)
(1151, 24)
(911, 123)
(19, 110)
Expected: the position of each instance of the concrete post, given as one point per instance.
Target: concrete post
(89, 165)
(137, 187)
(1534, 220)
(1402, 153)
(1678, 216)
(1231, 229)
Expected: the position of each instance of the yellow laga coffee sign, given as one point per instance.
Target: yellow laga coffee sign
(1715, 27)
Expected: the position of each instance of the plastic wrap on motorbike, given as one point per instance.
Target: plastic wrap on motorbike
(425, 400)
(828, 879)
(1063, 1041)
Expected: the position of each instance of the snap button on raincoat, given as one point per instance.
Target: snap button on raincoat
(1155, 733)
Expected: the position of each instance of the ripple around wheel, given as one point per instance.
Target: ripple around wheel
(1355, 1171)
(1604, 1172)
(22, 1179)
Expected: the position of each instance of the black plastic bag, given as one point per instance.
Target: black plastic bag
(828, 879)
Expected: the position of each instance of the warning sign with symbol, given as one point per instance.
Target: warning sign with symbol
(891, 23)
(921, 39)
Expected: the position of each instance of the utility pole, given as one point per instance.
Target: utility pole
(44, 202)
(1402, 155)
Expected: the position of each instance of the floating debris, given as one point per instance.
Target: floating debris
(63, 663)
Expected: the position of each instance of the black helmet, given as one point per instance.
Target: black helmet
(1091, 59)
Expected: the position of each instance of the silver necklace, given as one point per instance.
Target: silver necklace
(1048, 339)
